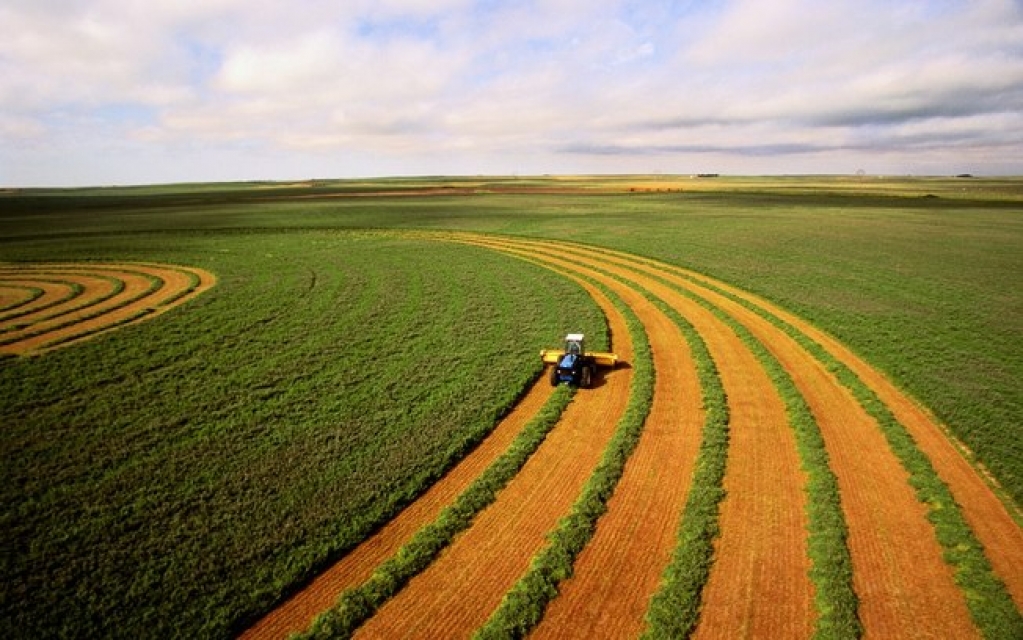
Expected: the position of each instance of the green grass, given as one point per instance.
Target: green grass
(928, 289)
(178, 477)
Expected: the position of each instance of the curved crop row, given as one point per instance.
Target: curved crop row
(357, 604)
(991, 604)
(99, 298)
(524, 605)
(674, 610)
(832, 497)
(992, 608)
(755, 527)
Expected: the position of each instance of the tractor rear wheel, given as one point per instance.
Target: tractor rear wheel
(585, 378)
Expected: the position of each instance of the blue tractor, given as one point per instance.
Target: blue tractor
(573, 364)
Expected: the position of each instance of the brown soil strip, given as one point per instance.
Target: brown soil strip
(13, 296)
(759, 585)
(94, 288)
(988, 516)
(905, 587)
(618, 571)
(457, 593)
(52, 292)
(297, 613)
(115, 311)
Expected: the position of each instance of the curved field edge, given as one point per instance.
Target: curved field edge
(523, 606)
(358, 604)
(989, 601)
(205, 429)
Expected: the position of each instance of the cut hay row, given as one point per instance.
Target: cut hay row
(763, 546)
(83, 300)
(22, 297)
(616, 572)
(13, 296)
(526, 603)
(895, 597)
(817, 489)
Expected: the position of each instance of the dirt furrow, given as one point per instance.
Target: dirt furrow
(298, 612)
(759, 584)
(456, 594)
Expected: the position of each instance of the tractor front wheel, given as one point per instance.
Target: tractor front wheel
(554, 376)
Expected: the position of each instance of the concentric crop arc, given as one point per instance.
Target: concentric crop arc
(745, 476)
(46, 306)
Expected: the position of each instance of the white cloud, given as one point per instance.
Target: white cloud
(401, 81)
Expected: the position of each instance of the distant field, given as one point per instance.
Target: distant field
(180, 476)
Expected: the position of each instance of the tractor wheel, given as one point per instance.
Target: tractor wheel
(585, 378)
(554, 376)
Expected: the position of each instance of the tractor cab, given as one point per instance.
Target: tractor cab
(574, 344)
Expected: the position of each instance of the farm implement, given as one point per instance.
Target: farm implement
(573, 364)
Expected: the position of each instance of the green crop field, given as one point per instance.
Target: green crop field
(177, 477)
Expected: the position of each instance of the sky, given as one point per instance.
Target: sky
(98, 92)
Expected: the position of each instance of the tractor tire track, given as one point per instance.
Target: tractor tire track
(456, 594)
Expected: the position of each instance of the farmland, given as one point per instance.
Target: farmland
(190, 473)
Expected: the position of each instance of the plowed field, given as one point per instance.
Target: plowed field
(762, 581)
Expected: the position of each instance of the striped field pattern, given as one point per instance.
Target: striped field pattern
(45, 306)
(745, 475)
